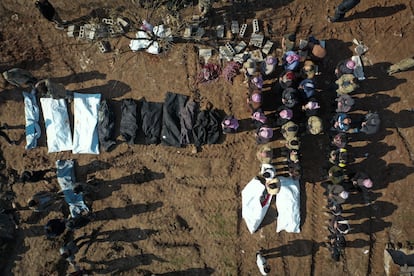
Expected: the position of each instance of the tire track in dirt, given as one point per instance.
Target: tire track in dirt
(209, 218)
(184, 58)
(175, 244)
(313, 202)
(344, 263)
(407, 145)
(220, 151)
(311, 191)
(203, 182)
(372, 252)
(376, 250)
(283, 253)
(212, 200)
(238, 171)
(178, 232)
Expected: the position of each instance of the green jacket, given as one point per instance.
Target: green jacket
(346, 84)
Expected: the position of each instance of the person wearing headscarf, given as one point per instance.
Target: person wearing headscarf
(346, 66)
(230, 124)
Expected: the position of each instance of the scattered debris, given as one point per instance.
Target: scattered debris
(255, 26)
(220, 31)
(209, 72)
(360, 49)
(104, 46)
(240, 47)
(234, 27)
(151, 42)
(243, 30)
(256, 40)
(359, 69)
(225, 53)
(205, 54)
(267, 47)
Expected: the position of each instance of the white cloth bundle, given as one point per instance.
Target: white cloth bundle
(85, 134)
(55, 114)
(252, 211)
(288, 205)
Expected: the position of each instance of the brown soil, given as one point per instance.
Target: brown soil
(169, 211)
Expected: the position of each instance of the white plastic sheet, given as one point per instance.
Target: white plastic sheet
(31, 112)
(145, 42)
(252, 211)
(85, 134)
(55, 114)
(288, 205)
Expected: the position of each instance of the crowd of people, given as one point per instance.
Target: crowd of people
(60, 228)
(341, 183)
(295, 113)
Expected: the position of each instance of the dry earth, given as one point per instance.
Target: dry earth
(168, 211)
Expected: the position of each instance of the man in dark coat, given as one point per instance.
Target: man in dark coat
(19, 77)
(344, 7)
(52, 89)
(49, 12)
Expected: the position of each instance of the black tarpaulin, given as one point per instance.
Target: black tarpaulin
(207, 127)
(151, 115)
(171, 127)
(106, 126)
(128, 128)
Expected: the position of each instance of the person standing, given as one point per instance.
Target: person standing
(48, 88)
(42, 201)
(230, 124)
(49, 12)
(337, 193)
(68, 251)
(265, 154)
(363, 183)
(19, 77)
(400, 66)
(344, 7)
(261, 262)
(264, 134)
(55, 227)
(346, 66)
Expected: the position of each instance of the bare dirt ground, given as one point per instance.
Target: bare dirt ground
(168, 211)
